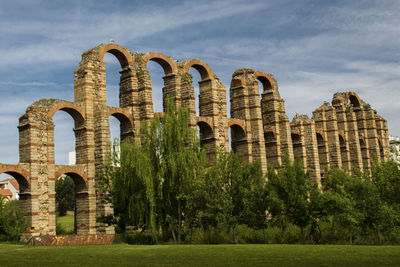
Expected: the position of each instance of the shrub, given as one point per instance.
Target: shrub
(210, 236)
(12, 221)
(249, 235)
(139, 238)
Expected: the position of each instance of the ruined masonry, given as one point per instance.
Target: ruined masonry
(347, 133)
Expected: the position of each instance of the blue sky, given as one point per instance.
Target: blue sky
(314, 48)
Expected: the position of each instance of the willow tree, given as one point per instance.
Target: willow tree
(149, 183)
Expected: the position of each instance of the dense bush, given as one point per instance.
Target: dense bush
(12, 221)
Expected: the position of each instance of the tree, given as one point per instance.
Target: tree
(337, 203)
(12, 221)
(231, 193)
(151, 187)
(65, 195)
(291, 194)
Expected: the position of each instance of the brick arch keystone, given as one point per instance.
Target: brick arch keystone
(71, 108)
(121, 114)
(71, 170)
(202, 67)
(205, 120)
(266, 79)
(296, 132)
(168, 65)
(320, 132)
(121, 53)
(237, 122)
(17, 172)
(355, 95)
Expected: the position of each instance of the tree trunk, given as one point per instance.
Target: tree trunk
(179, 221)
(234, 235)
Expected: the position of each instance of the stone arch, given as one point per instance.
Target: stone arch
(322, 151)
(266, 80)
(165, 62)
(81, 213)
(126, 122)
(269, 137)
(121, 53)
(73, 170)
(206, 132)
(199, 104)
(169, 79)
(18, 173)
(202, 67)
(297, 144)
(238, 138)
(236, 122)
(78, 115)
(353, 98)
(381, 151)
(237, 82)
(71, 108)
(343, 150)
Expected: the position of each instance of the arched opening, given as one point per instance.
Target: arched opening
(381, 152)
(364, 152)
(12, 184)
(64, 139)
(15, 186)
(196, 86)
(206, 133)
(323, 157)
(265, 84)
(238, 140)
(197, 98)
(156, 73)
(354, 100)
(343, 151)
(121, 127)
(207, 139)
(72, 204)
(115, 133)
(113, 79)
(297, 146)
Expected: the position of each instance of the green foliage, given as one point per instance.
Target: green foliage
(150, 186)
(139, 238)
(162, 188)
(291, 195)
(12, 221)
(232, 192)
(65, 195)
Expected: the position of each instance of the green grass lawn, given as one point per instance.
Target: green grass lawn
(66, 223)
(200, 255)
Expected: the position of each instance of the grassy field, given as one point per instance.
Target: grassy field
(200, 255)
(66, 223)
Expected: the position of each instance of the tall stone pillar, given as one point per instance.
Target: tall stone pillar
(277, 132)
(306, 127)
(326, 121)
(248, 108)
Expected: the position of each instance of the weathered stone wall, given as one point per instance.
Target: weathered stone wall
(347, 133)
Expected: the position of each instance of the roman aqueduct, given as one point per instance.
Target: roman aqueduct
(347, 133)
